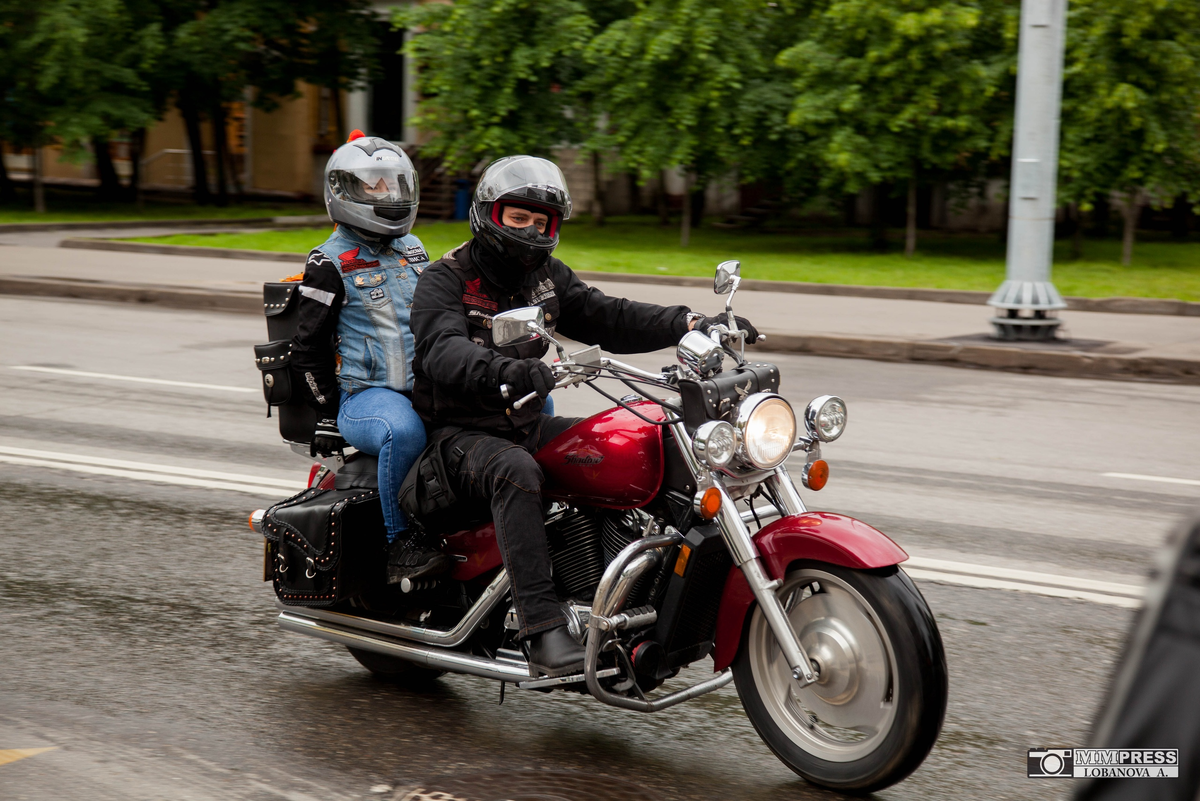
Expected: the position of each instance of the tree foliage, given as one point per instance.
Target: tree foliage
(1131, 104)
(685, 83)
(493, 72)
(78, 71)
(899, 91)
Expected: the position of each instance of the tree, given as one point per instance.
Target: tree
(685, 84)
(497, 77)
(219, 48)
(900, 91)
(1131, 105)
(75, 72)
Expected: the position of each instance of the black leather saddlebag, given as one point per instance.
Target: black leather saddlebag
(326, 545)
(281, 305)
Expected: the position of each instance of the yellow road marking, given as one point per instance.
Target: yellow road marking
(13, 754)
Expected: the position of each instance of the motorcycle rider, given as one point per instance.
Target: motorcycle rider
(464, 385)
(353, 348)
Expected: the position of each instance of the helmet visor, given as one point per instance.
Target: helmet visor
(381, 184)
(526, 178)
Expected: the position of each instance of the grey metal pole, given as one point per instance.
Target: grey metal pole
(1027, 300)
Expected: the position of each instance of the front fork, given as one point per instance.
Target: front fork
(745, 553)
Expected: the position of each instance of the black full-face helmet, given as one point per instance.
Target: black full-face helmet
(371, 185)
(530, 183)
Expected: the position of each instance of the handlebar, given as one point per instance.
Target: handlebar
(557, 385)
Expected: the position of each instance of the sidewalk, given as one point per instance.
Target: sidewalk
(1102, 344)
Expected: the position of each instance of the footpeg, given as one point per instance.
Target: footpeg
(408, 585)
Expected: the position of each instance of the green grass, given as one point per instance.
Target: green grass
(1161, 268)
(65, 205)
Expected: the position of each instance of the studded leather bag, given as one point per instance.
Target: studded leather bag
(325, 545)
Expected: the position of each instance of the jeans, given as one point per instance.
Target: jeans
(381, 422)
(501, 473)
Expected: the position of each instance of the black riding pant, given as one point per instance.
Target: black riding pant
(498, 469)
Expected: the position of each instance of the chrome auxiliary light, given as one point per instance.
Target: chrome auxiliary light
(714, 443)
(825, 417)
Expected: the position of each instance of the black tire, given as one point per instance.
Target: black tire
(394, 670)
(899, 716)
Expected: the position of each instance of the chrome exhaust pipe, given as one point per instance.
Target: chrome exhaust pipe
(432, 658)
(446, 638)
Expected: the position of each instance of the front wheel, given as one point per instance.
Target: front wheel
(877, 706)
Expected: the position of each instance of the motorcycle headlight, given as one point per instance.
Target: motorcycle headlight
(825, 417)
(767, 428)
(714, 443)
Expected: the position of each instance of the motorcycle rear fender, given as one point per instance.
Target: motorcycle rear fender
(812, 536)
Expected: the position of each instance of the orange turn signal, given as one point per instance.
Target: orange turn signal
(710, 503)
(816, 474)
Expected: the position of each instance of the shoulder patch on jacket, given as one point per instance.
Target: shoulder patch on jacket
(350, 261)
(452, 255)
(318, 259)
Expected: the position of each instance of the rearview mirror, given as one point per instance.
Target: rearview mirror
(518, 325)
(727, 274)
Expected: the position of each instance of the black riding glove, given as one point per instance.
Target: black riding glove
(327, 439)
(527, 375)
(704, 324)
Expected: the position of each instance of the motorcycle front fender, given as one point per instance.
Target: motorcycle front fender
(812, 536)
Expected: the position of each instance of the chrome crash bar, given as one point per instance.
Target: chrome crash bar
(629, 565)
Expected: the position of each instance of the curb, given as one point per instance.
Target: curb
(300, 220)
(1160, 306)
(183, 250)
(1073, 364)
(168, 297)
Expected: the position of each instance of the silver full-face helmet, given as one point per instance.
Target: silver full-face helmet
(371, 184)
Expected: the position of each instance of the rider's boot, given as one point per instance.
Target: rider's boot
(413, 558)
(554, 652)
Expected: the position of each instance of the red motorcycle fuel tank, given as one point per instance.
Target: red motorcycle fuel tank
(611, 459)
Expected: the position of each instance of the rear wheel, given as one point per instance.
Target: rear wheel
(392, 669)
(877, 706)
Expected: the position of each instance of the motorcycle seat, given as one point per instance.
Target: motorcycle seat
(360, 472)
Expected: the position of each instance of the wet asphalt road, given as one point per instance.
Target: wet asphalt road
(138, 638)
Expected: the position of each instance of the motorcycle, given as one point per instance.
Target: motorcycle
(835, 654)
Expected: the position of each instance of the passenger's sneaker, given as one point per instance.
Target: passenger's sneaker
(414, 558)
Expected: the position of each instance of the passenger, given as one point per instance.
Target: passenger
(353, 349)
(462, 379)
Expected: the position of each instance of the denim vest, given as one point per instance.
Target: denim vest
(374, 341)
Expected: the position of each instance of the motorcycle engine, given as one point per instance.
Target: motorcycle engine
(582, 543)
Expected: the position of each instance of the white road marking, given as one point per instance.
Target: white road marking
(943, 566)
(1035, 589)
(918, 567)
(110, 377)
(161, 478)
(149, 467)
(1191, 482)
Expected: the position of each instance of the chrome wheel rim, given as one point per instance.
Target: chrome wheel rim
(848, 711)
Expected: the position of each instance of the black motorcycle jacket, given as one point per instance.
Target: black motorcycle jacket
(456, 369)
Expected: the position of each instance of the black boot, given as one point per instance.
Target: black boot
(554, 653)
(414, 558)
